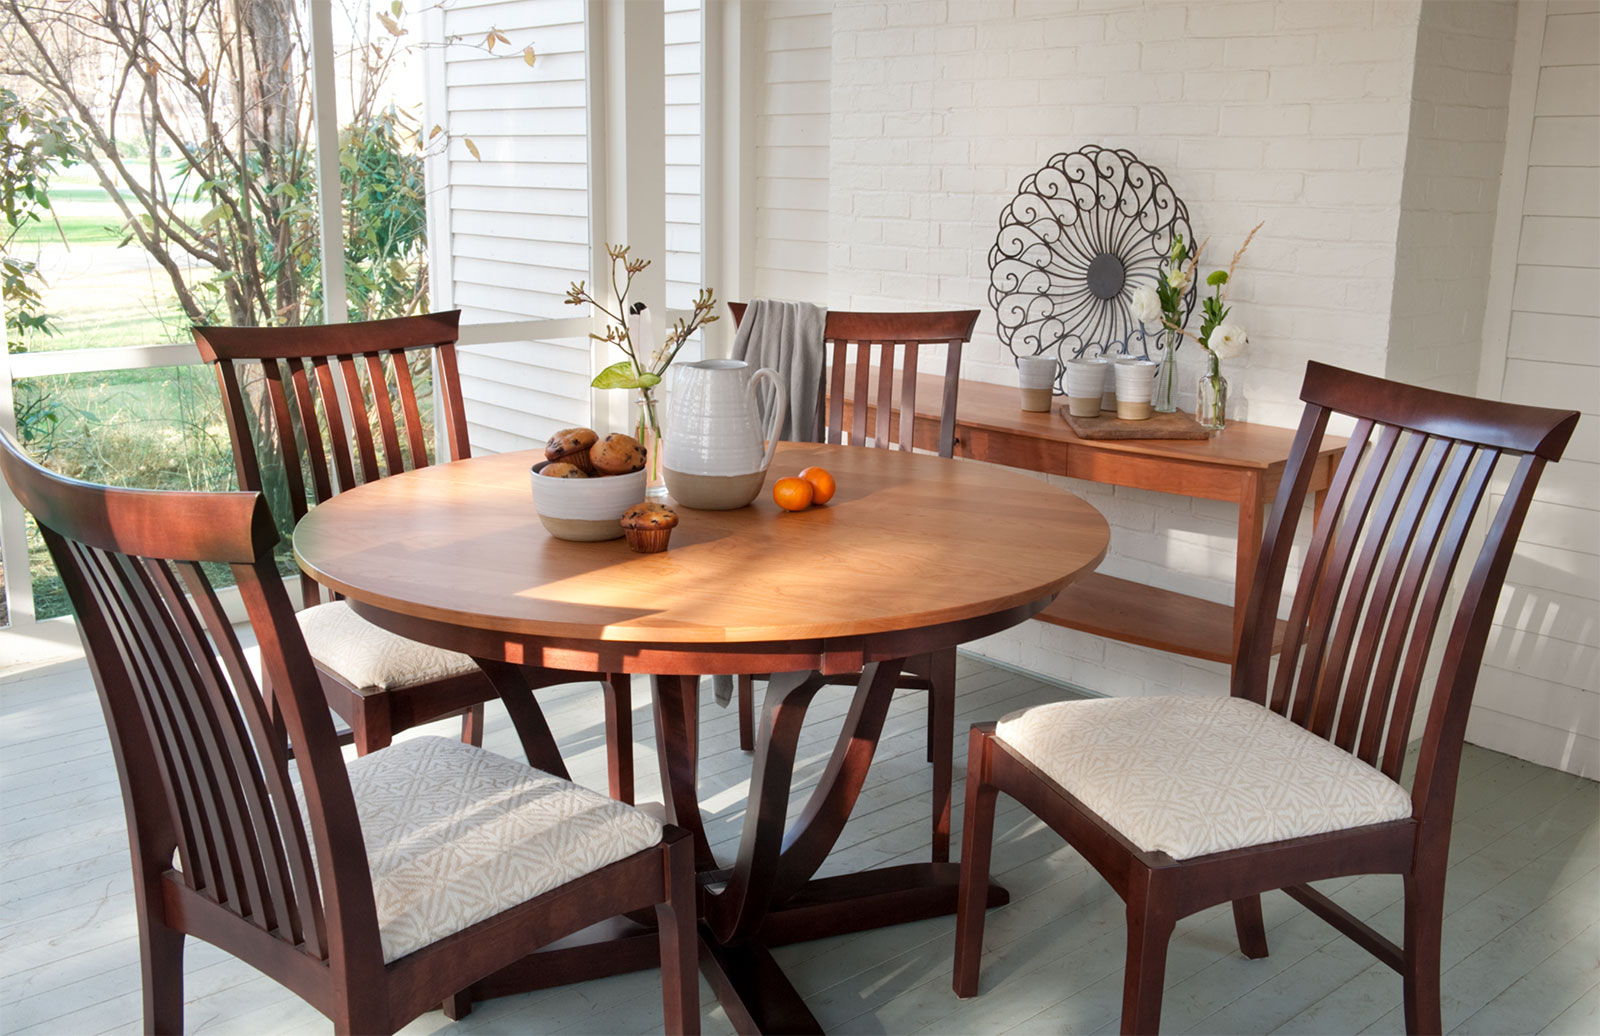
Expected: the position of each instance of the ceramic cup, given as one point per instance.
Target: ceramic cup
(1036, 376)
(1086, 384)
(1136, 380)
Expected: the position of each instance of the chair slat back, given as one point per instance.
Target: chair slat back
(1408, 511)
(350, 413)
(880, 345)
(203, 768)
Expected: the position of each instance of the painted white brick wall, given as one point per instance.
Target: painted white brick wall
(1295, 112)
(791, 151)
(1460, 96)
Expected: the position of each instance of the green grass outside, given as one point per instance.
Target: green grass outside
(154, 428)
(80, 228)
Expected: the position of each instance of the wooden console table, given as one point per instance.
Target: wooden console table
(1241, 464)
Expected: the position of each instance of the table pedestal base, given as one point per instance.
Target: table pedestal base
(770, 895)
(749, 984)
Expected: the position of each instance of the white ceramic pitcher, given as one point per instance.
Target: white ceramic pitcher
(717, 446)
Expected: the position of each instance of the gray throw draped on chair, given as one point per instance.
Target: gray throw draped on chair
(787, 336)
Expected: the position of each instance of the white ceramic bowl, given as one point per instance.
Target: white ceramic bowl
(585, 509)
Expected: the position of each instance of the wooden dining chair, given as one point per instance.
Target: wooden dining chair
(376, 891)
(889, 381)
(338, 402)
(1182, 803)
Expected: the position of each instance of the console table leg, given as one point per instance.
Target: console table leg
(1252, 514)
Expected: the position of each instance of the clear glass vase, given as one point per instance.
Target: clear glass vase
(1164, 396)
(1212, 409)
(647, 429)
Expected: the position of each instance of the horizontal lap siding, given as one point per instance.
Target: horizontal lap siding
(519, 214)
(683, 181)
(1539, 693)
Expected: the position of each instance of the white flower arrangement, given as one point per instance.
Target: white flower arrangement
(1146, 307)
(1227, 340)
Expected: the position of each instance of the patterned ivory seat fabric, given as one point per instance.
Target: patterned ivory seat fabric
(1190, 776)
(369, 657)
(456, 834)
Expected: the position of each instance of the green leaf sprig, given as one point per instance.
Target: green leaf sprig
(637, 372)
(1171, 286)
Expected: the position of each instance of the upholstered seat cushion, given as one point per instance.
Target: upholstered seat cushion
(1189, 776)
(455, 834)
(371, 658)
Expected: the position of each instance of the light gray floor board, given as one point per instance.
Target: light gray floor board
(1522, 935)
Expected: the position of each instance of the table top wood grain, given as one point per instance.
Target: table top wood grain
(909, 541)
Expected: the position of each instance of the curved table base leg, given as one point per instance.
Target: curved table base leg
(753, 990)
(811, 838)
(676, 700)
(515, 688)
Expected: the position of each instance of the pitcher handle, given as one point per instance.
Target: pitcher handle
(780, 409)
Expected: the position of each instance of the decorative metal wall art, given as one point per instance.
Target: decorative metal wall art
(1080, 235)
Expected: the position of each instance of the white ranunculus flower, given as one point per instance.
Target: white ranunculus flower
(1146, 306)
(1228, 340)
(1178, 279)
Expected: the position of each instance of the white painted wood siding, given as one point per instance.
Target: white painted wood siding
(684, 32)
(1539, 693)
(517, 220)
(684, 36)
(791, 151)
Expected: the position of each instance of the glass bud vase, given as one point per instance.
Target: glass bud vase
(1164, 396)
(647, 429)
(1212, 409)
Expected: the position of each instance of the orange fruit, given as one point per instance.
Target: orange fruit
(822, 485)
(792, 494)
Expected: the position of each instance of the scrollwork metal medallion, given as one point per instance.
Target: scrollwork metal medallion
(1080, 235)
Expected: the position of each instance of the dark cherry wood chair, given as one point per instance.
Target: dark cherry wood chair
(890, 381)
(1182, 803)
(375, 892)
(376, 681)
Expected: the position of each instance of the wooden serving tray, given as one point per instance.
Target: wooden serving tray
(1176, 425)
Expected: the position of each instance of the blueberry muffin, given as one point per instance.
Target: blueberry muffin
(571, 446)
(562, 469)
(617, 454)
(649, 526)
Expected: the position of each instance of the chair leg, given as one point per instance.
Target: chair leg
(1151, 918)
(360, 1012)
(680, 941)
(1424, 924)
(457, 1005)
(372, 724)
(747, 712)
(941, 746)
(472, 726)
(618, 688)
(161, 961)
(977, 844)
(1247, 923)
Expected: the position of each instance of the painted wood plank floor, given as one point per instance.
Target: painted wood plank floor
(1521, 943)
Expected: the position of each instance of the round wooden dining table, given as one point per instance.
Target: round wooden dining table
(914, 554)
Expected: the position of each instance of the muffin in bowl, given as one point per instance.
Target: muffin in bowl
(571, 446)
